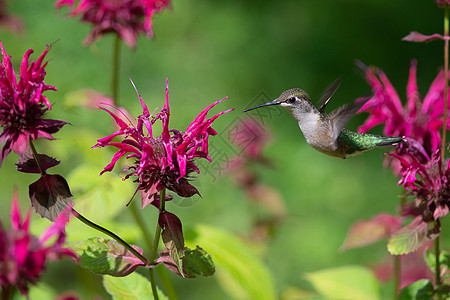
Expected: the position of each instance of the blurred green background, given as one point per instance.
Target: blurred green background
(212, 49)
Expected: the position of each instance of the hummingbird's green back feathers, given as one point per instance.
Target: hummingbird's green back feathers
(353, 143)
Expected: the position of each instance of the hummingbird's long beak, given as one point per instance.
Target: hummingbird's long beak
(274, 102)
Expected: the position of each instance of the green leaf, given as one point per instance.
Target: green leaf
(197, 262)
(409, 238)
(104, 256)
(191, 264)
(107, 194)
(40, 291)
(239, 270)
(348, 282)
(419, 290)
(132, 287)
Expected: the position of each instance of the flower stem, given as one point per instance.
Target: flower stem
(7, 292)
(158, 228)
(446, 34)
(162, 205)
(397, 272)
(148, 241)
(167, 282)
(115, 71)
(153, 283)
(437, 272)
(438, 264)
(397, 261)
(111, 234)
(36, 157)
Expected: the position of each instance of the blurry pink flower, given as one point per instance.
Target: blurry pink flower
(442, 2)
(413, 268)
(23, 256)
(128, 18)
(164, 161)
(22, 104)
(9, 21)
(250, 137)
(418, 120)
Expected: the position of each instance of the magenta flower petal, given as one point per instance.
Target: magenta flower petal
(419, 121)
(23, 256)
(127, 18)
(164, 161)
(428, 182)
(23, 105)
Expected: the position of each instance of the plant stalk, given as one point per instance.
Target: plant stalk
(169, 288)
(396, 259)
(111, 234)
(397, 275)
(36, 157)
(162, 205)
(7, 292)
(444, 134)
(115, 71)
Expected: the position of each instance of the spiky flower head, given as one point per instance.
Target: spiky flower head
(419, 119)
(23, 256)
(128, 18)
(429, 183)
(164, 161)
(23, 105)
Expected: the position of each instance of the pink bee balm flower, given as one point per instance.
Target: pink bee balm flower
(419, 120)
(164, 161)
(128, 18)
(22, 104)
(442, 2)
(23, 256)
(9, 21)
(429, 183)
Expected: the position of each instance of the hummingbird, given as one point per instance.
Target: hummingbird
(326, 132)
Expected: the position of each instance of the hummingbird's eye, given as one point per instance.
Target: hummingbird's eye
(291, 100)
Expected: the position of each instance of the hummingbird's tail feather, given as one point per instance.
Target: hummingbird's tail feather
(390, 141)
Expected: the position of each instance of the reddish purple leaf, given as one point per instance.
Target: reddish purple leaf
(183, 188)
(418, 37)
(50, 195)
(27, 164)
(367, 232)
(172, 233)
(168, 261)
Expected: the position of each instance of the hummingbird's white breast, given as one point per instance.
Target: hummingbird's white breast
(309, 123)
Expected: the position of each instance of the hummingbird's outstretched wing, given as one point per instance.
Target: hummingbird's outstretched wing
(327, 94)
(339, 117)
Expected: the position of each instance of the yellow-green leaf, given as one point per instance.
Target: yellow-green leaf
(348, 282)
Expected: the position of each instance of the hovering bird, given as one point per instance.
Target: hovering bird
(326, 132)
